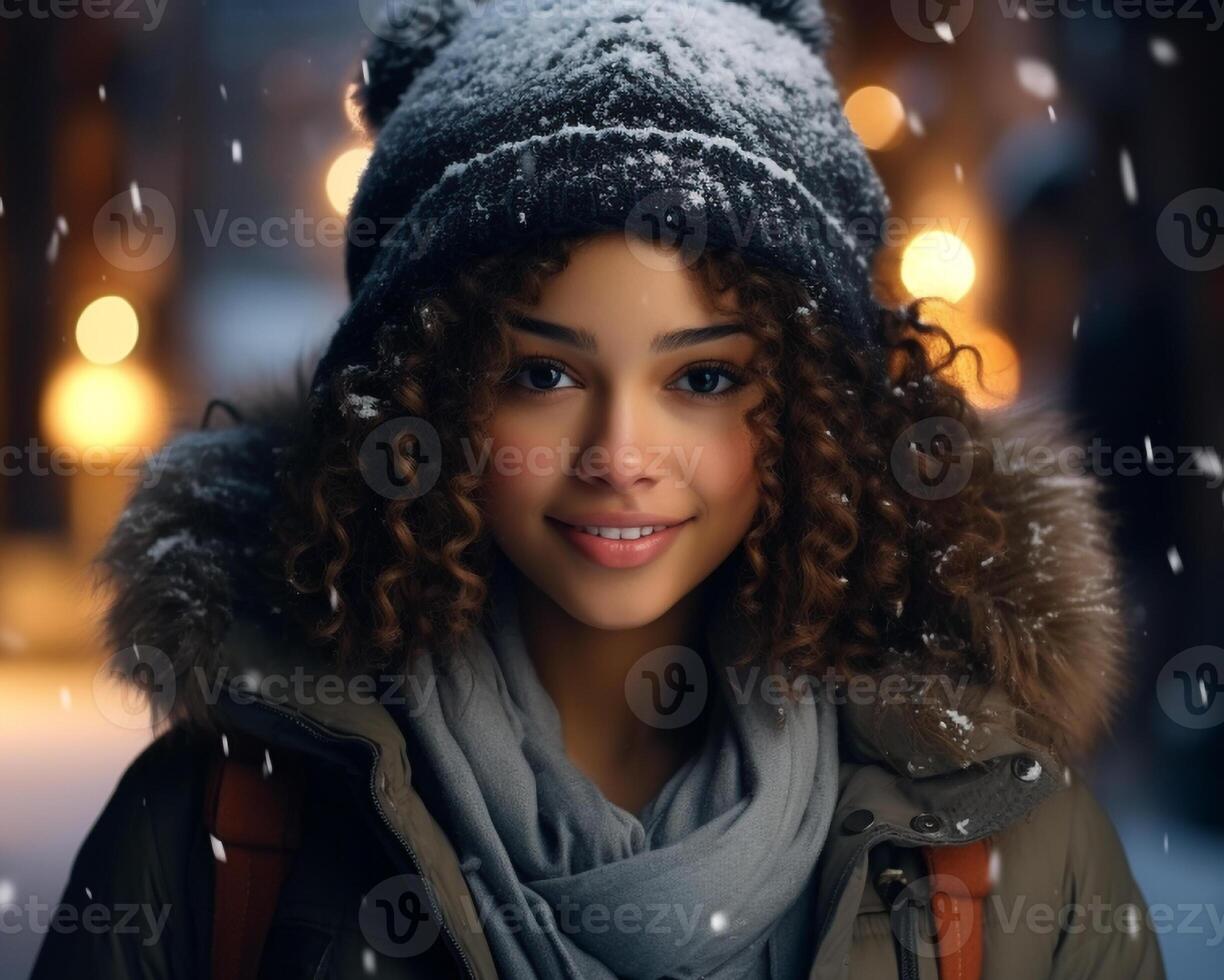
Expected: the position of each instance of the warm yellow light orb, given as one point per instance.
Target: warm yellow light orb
(87, 406)
(938, 264)
(107, 329)
(877, 116)
(344, 175)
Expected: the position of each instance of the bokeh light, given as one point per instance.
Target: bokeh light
(87, 405)
(107, 330)
(343, 176)
(877, 116)
(937, 264)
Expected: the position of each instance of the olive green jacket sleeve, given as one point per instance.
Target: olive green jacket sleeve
(1107, 931)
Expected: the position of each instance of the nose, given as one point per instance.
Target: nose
(617, 456)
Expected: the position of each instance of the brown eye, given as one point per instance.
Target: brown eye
(711, 380)
(539, 376)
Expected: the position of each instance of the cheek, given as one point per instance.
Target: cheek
(521, 469)
(724, 471)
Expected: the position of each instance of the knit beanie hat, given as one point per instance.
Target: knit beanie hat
(695, 123)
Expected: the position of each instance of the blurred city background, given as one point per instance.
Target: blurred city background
(1056, 170)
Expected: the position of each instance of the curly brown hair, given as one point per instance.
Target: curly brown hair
(840, 569)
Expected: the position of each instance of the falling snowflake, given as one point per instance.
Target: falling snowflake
(1208, 462)
(943, 30)
(1163, 51)
(236, 151)
(1175, 561)
(101, 93)
(1075, 325)
(1129, 187)
(224, 92)
(1037, 78)
(218, 848)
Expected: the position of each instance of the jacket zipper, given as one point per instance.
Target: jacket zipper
(456, 946)
(892, 883)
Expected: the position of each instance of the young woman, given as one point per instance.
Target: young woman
(625, 598)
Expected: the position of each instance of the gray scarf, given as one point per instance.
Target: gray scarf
(712, 879)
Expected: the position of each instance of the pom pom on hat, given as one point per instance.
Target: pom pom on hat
(403, 46)
(806, 18)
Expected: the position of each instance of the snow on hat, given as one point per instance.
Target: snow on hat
(698, 123)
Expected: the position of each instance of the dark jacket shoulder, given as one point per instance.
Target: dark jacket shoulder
(137, 898)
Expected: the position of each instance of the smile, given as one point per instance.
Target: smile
(613, 546)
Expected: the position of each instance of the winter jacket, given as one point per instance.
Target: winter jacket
(1063, 903)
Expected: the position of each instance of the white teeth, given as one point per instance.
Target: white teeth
(625, 533)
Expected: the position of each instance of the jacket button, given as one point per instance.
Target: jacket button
(1026, 768)
(927, 823)
(858, 821)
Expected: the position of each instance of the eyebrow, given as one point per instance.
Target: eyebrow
(660, 344)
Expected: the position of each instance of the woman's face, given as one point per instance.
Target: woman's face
(625, 412)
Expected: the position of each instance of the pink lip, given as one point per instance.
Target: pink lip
(620, 554)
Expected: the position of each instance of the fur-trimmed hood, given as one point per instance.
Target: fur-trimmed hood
(183, 566)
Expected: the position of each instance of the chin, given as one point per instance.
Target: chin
(611, 608)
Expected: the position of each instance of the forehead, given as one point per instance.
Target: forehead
(614, 288)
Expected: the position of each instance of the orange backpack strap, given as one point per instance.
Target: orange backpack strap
(961, 882)
(254, 817)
